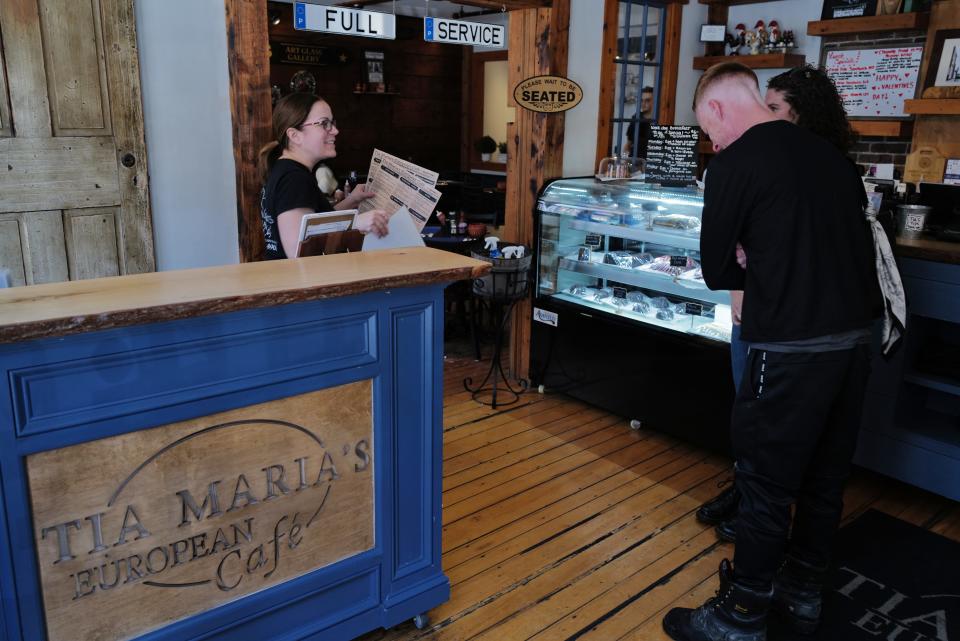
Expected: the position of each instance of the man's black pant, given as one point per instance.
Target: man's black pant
(795, 424)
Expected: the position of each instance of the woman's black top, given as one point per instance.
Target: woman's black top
(290, 185)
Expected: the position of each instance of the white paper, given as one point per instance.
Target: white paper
(401, 232)
(875, 82)
(398, 183)
(315, 224)
(952, 174)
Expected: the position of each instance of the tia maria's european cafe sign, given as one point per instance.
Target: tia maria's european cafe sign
(348, 22)
(138, 530)
(461, 32)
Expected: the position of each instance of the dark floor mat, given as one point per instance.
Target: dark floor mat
(893, 582)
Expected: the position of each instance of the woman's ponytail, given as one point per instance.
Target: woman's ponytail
(267, 157)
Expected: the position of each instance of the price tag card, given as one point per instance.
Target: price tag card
(678, 261)
(694, 309)
(620, 292)
(593, 240)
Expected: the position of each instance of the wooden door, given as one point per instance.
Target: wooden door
(73, 176)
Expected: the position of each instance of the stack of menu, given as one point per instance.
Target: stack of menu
(397, 183)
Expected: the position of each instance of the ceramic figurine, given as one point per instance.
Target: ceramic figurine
(763, 38)
(775, 38)
(752, 42)
(788, 39)
(733, 44)
(741, 32)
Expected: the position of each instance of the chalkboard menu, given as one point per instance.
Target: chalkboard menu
(672, 155)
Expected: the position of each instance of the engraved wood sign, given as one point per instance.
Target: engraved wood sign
(548, 94)
(137, 531)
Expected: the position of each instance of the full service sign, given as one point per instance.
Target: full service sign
(461, 32)
(139, 530)
(349, 22)
(548, 94)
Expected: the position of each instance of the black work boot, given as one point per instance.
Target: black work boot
(798, 594)
(727, 531)
(720, 508)
(737, 613)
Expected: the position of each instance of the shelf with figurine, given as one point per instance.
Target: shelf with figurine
(868, 24)
(758, 48)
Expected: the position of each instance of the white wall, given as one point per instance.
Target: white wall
(585, 40)
(186, 105)
(790, 14)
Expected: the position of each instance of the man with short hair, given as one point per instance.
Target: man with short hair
(644, 118)
(811, 295)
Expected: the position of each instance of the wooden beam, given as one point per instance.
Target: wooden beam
(248, 61)
(671, 65)
(933, 106)
(891, 128)
(538, 46)
(761, 61)
(608, 80)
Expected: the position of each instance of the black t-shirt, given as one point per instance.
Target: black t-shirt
(795, 203)
(290, 185)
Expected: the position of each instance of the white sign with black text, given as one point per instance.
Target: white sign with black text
(460, 32)
(545, 317)
(349, 22)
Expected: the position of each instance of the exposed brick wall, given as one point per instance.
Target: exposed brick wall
(872, 149)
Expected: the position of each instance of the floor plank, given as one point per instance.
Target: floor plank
(562, 523)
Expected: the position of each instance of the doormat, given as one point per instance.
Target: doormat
(892, 581)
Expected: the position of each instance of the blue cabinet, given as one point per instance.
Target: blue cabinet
(911, 422)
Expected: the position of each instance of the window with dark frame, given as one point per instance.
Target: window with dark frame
(639, 70)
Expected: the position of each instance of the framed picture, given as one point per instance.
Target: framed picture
(373, 67)
(943, 69)
(833, 9)
(713, 32)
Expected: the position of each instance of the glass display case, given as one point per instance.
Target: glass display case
(622, 318)
(630, 249)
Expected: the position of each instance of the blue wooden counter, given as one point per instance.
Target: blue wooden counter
(242, 452)
(911, 419)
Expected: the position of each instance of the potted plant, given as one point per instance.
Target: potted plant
(502, 148)
(486, 146)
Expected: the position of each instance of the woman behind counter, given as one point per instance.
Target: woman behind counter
(304, 133)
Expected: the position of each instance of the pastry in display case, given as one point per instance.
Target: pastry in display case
(631, 249)
(622, 317)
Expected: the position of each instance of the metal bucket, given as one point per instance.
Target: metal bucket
(911, 219)
(508, 278)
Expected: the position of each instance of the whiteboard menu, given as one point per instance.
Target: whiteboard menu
(875, 82)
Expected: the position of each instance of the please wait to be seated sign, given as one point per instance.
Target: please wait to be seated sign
(460, 32)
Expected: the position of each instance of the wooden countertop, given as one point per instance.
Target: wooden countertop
(939, 251)
(42, 311)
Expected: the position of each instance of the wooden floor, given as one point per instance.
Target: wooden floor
(560, 522)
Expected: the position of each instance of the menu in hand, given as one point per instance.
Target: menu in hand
(672, 155)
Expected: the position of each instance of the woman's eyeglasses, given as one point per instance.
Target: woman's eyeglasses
(324, 123)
